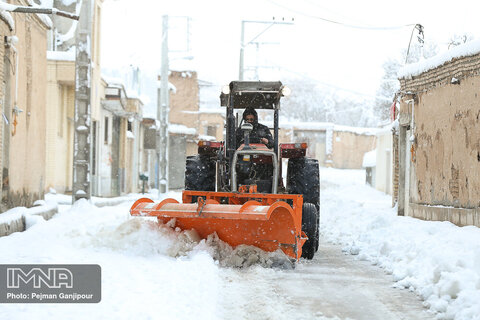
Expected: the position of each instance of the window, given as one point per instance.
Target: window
(106, 131)
(212, 131)
(129, 126)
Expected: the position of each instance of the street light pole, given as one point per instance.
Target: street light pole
(82, 114)
(242, 46)
(162, 114)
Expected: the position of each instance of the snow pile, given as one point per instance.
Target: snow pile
(370, 159)
(135, 257)
(467, 49)
(243, 256)
(146, 237)
(28, 214)
(437, 260)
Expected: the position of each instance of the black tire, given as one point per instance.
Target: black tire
(199, 173)
(303, 177)
(310, 227)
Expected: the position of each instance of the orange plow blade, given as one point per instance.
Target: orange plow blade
(266, 222)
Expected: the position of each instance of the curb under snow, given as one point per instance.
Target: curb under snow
(20, 218)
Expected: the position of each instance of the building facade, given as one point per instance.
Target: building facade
(439, 140)
(24, 114)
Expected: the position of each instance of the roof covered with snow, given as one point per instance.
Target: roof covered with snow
(323, 126)
(181, 129)
(467, 49)
(61, 55)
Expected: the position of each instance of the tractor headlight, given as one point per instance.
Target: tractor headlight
(286, 91)
(226, 89)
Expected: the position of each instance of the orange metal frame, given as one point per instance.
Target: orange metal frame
(263, 220)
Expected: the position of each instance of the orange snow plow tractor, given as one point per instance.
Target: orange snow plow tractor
(235, 188)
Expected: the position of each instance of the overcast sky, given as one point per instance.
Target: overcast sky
(332, 54)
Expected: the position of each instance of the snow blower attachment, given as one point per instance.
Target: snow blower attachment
(238, 193)
(264, 222)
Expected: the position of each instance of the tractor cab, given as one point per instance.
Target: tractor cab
(236, 191)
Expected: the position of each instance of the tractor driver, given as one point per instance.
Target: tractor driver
(260, 132)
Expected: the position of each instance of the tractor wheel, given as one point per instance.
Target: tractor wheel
(310, 227)
(303, 177)
(199, 173)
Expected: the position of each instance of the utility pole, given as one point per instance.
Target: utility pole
(243, 44)
(162, 114)
(82, 114)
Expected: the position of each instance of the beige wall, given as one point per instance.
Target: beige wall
(60, 112)
(349, 148)
(213, 120)
(443, 170)
(184, 102)
(5, 76)
(447, 153)
(27, 146)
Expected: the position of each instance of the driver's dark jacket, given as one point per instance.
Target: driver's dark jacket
(259, 131)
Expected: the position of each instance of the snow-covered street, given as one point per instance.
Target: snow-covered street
(371, 265)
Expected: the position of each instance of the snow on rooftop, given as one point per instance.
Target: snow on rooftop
(206, 138)
(326, 126)
(112, 80)
(181, 129)
(133, 94)
(370, 159)
(61, 55)
(218, 110)
(467, 49)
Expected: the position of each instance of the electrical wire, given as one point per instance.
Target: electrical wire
(341, 23)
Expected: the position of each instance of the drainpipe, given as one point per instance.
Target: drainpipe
(412, 122)
(11, 41)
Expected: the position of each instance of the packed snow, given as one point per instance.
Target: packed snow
(436, 260)
(158, 271)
